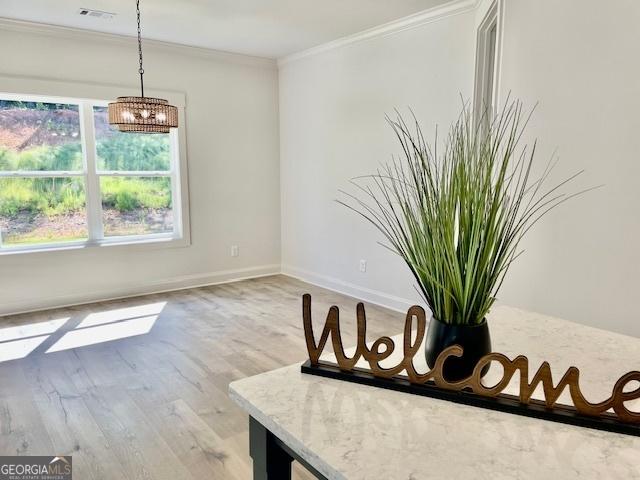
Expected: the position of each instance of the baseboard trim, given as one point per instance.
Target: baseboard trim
(376, 297)
(184, 282)
(134, 290)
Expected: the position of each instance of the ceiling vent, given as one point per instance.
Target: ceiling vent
(87, 12)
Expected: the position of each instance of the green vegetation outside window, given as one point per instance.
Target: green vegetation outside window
(67, 177)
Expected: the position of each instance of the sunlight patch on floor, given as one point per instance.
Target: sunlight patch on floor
(98, 327)
(100, 318)
(19, 348)
(104, 333)
(31, 329)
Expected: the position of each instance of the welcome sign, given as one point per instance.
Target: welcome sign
(611, 414)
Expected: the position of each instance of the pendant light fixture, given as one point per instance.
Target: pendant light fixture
(142, 114)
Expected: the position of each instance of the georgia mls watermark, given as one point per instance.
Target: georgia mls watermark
(36, 468)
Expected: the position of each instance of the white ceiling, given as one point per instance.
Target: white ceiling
(266, 28)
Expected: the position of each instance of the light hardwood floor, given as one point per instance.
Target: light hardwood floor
(154, 405)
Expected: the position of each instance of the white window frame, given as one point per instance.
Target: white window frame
(180, 237)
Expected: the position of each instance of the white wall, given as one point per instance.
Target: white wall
(578, 58)
(332, 108)
(233, 160)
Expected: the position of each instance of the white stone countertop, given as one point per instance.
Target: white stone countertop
(351, 431)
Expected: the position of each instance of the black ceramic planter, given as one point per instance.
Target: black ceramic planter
(474, 339)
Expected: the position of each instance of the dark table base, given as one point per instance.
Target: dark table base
(271, 456)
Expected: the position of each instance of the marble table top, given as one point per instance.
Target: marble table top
(351, 431)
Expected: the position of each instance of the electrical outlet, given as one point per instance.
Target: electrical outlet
(363, 266)
(235, 251)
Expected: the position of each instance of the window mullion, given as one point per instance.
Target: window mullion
(39, 173)
(135, 173)
(94, 203)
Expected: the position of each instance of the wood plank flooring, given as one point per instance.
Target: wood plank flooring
(132, 404)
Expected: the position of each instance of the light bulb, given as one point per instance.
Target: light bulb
(127, 116)
(144, 113)
(161, 117)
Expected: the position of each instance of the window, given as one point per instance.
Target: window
(68, 178)
(135, 179)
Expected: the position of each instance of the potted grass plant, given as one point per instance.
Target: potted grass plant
(456, 218)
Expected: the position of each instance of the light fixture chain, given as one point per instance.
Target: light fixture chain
(142, 114)
(140, 70)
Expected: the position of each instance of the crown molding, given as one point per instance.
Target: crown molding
(7, 24)
(439, 12)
